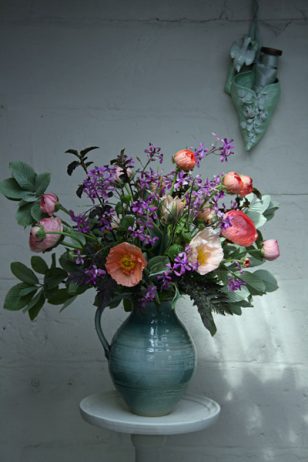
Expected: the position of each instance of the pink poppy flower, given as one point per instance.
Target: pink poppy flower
(206, 251)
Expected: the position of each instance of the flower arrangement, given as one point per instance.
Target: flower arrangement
(146, 236)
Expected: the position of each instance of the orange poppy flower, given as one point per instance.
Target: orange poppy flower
(125, 263)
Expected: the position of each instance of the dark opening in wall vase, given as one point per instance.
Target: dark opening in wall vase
(151, 359)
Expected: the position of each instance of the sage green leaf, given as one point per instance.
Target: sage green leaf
(41, 183)
(23, 174)
(53, 277)
(260, 205)
(58, 297)
(258, 219)
(268, 279)
(238, 295)
(11, 189)
(13, 300)
(36, 212)
(23, 273)
(158, 265)
(23, 215)
(35, 306)
(39, 265)
(254, 282)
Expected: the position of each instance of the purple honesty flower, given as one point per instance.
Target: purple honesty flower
(165, 279)
(149, 295)
(226, 149)
(82, 222)
(200, 153)
(235, 284)
(100, 182)
(225, 223)
(181, 264)
(182, 180)
(154, 153)
(93, 274)
(79, 259)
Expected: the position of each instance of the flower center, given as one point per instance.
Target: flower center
(127, 263)
(203, 256)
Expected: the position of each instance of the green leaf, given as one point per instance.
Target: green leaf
(53, 277)
(260, 205)
(238, 295)
(174, 250)
(39, 265)
(36, 212)
(28, 290)
(268, 279)
(78, 237)
(72, 151)
(258, 219)
(58, 297)
(126, 222)
(128, 304)
(253, 281)
(72, 166)
(11, 189)
(41, 183)
(35, 306)
(13, 300)
(158, 265)
(23, 215)
(23, 174)
(23, 273)
(67, 263)
(85, 151)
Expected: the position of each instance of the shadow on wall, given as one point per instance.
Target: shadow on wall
(262, 415)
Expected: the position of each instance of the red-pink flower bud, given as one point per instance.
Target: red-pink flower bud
(242, 230)
(238, 184)
(40, 240)
(48, 203)
(270, 249)
(185, 159)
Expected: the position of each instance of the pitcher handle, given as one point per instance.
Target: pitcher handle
(100, 333)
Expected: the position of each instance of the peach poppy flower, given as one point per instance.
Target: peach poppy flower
(206, 250)
(125, 263)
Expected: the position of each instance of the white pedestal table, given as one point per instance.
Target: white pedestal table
(149, 434)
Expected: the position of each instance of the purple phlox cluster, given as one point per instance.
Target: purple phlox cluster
(165, 279)
(225, 221)
(145, 207)
(150, 180)
(182, 180)
(226, 148)
(93, 274)
(82, 222)
(100, 182)
(154, 153)
(235, 284)
(141, 232)
(149, 295)
(182, 264)
(106, 220)
(79, 259)
(200, 152)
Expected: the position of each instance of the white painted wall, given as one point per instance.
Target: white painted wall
(119, 73)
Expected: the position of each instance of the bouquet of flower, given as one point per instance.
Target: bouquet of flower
(146, 235)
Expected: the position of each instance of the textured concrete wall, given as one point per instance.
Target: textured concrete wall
(120, 73)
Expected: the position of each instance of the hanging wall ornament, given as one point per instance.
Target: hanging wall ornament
(253, 84)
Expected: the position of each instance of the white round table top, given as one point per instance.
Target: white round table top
(193, 413)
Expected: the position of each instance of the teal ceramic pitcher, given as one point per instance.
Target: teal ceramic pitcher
(151, 358)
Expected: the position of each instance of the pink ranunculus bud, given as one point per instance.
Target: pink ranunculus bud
(232, 182)
(240, 228)
(40, 240)
(247, 186)
(235, 183)
(48, 203)
(270, 249)
(185, 159)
